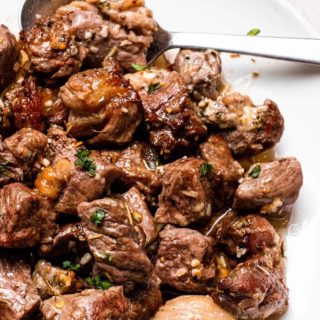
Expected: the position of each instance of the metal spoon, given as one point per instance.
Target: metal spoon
(290, 49)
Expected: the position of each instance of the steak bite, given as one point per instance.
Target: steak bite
(253, 290)
(131, 30)
(104, 108)
(10, 169)
(114, 241)
(9, 54)
(170, 119)
(139, 167)
(141, 215)
(53, 281)
(249, 128)
(52, 48)
(225, 170)
(25, 217)
(75, 174)
(187, 194)
(200, 71)
(185, 260)
(25, 105)
(19, 298)
(145, 300)
(243, 236)
(89, 304)
(272, 188)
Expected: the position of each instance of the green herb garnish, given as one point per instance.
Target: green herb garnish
(98, 216)
(70, 266)
(253, 32)
(153, 87)
(205, 168)
(255, 172)
(108, 257)
(139, 67)
(99, 283)
(85, 162)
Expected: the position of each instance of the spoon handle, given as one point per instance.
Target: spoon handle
(291, 49)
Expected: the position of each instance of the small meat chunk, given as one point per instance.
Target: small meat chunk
(52, 48)
(26, 144)
(226, 171)
(10, 169)
(53, 281)
(25, 103)
(200, 72)
(141, 214)
(66, 239)
(253, 291)
(185, 260)
(187, 194)
(9, 53)
(90, 304)
(114, 241)
(145, 300)
(25, 216)
(249, 128)
(75, 174)
(170, 119)
(244, 236)
(272, 188)
(131, 30)
(19, 298)
(104, 108)
(139, 167)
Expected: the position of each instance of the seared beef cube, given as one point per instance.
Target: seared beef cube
(90, 304)
(253, 291)
(185, 260)
(250, 128)
(53, 281)
(75, 175)
(225, 170)
(10, 169)
(26, 144)
(141, 214)
(52, 48)
(25, 104)
(139, 167)
(19, 298)
(9, 53)
(82, 187)
(131, 29)
(245, 235)
(145, 300)
(113, 241)
(69, 238)
(169, 116)
(187, 194)
(104, 108)
(25, 217)
(200, 71)
(272, 188)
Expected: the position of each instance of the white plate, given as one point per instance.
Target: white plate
(295, 87)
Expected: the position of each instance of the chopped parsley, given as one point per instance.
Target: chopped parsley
(255, 172)
(253, 32)
(139, 67)
(205, 169)
(153, 87)
(85, 162)
(108, 257)
(70, 266)
(98, 216)
(99, 283)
